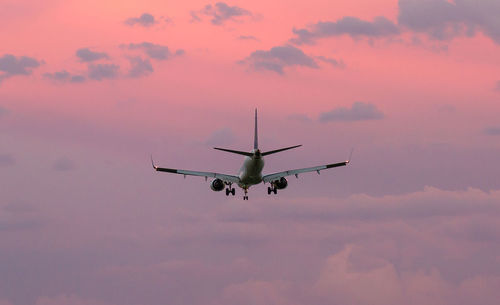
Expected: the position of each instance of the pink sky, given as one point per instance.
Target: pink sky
(89, 89)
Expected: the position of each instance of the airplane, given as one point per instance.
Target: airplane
(251, 170)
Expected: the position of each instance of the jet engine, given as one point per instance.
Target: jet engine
(217, 185)
(281, 184)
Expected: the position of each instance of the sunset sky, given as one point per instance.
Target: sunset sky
(90, 89)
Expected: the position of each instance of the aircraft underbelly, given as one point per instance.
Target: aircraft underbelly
(251, 172)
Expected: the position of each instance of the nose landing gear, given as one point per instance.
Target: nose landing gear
(245, 197)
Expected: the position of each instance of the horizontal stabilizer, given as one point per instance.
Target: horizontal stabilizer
(244, 153)
(279, 150)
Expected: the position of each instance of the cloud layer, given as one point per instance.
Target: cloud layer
(443, 20)
(438, 19)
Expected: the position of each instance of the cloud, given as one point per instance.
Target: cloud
(65, 76)
(63, 164)
(443, 20)
(221, 12)
(359, 111)
(145, 20)
(332, 61)
(340, 282)
(103, 71)
(247, 37)
(492, 131)
(277, 58)
(223, 136)
(352, 26)
(11, 65)
(7, 160)
(86, 55)
(139, 67)
(155, 51)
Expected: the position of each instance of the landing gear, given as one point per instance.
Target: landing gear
(245, 197)
(272, 189)
(230, 190)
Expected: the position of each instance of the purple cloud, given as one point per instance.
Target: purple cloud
(11, 65)
(145, 20)
(221, 13)
(103, 71)
(352, 26)
(64, 76)
(492, 131)
(155, 51)
(86, 55)
(139, 67)
(442, 19)
(278, 58)
(7, 160)
(359, 111)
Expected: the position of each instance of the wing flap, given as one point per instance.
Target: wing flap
(275, 176)
(224, 177)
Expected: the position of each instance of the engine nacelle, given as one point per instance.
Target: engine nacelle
(217, 185)
(280, 184)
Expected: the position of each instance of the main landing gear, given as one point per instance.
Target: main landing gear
(272, 189)
(245, 197)
(230, 190)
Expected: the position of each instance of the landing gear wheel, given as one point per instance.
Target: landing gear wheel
(245, 197)
(269, 190)
(233, 191)
(275, 191)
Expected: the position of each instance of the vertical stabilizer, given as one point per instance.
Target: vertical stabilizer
(256, 137)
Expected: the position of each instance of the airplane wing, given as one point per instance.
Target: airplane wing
(276, 176)
(223, 177)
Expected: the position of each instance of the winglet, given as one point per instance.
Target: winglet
(153, 163)
(350, 156)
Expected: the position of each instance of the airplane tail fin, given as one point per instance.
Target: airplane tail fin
(256, 136)
(279, 150)
(256, 145)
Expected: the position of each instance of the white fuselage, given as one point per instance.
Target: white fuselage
(251, 171)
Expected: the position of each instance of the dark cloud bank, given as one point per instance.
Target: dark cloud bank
(438, 19)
